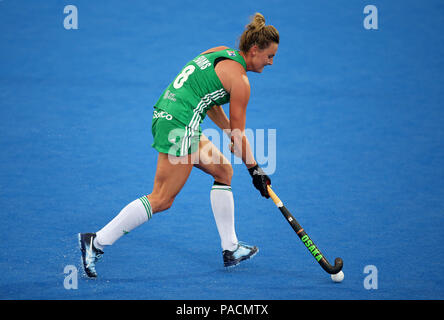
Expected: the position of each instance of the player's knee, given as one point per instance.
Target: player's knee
(166, 203)
(224, 174)
(160, 203)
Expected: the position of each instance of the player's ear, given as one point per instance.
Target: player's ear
(254, 50)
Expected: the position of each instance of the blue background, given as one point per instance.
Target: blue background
(360, 156)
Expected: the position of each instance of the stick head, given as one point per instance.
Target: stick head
(337, 267)
(329, 268)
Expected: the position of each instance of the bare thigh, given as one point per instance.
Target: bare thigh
(171, 175)
(172, 172)
(212, 161)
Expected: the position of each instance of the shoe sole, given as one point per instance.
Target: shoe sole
(241, 260)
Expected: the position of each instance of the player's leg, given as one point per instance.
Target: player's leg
(213, 162)
(171, 174)
(169, 180)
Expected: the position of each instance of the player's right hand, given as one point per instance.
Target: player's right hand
(260, 180)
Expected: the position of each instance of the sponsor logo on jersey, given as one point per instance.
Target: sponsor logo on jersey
(170, 96)
(231, 53)
(162, 114)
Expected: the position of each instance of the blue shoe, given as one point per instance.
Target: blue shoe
(242, 252)
(90, 254)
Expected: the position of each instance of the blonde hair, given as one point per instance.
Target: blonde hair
(257, 33)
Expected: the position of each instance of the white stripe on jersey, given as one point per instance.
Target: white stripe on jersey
(195, 120)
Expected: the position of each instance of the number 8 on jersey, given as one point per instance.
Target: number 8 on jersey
(183, 76)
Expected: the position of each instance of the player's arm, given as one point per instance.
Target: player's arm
(240, 94)
(218, 116)
(239, 97)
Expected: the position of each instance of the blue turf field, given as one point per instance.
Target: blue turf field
(359, 121)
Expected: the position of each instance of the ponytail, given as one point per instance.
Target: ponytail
(257, 33)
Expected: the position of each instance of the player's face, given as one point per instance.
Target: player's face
(263, 57)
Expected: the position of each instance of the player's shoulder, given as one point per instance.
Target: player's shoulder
(215, 49)
(232, 67)
(232, 74)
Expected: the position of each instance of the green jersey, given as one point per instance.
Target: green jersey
(196, 89)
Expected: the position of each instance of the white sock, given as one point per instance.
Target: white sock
(133, 215)
(222, 203)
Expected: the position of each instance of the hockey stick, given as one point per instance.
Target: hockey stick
(305, 238)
